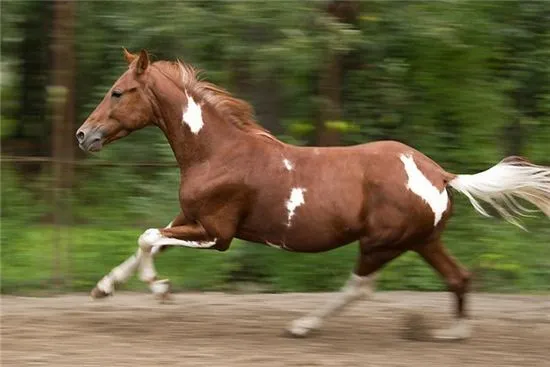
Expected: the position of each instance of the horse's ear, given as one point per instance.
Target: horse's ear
(130, 57)
(142, 62)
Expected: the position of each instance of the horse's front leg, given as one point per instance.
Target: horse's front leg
(121, 273)
(191, 235)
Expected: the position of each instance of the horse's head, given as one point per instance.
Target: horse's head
(125, 108)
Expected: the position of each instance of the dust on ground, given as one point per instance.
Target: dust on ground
(216, 329)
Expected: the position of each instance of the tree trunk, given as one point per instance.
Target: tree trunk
(330, 80)
(61, 98)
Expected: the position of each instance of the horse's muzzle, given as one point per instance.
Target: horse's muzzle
(89, 141)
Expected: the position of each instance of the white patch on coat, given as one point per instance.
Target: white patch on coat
(288, 164)
(421, 186)
(296, 199)
(192, 115)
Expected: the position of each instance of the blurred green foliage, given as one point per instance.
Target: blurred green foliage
(501, 257)
(465, 82)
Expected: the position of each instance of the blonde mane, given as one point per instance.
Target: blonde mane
(236, 111)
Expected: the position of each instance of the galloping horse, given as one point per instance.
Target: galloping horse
(239, 181)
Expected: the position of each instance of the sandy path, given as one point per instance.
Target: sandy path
(214, 329)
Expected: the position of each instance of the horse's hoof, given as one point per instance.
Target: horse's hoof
(97, 293)
(165, 298)
(416, 327)
(460, 330)
(161, 290)
(302, 327)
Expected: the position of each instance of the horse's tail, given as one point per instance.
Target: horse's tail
(502, 185)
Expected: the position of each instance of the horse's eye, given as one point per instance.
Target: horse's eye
(116, 94)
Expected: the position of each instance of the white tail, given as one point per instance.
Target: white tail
(501, 185)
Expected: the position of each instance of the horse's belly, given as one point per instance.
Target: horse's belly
(312, 230)
(301, 242)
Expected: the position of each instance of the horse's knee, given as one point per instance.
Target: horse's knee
(147, 239)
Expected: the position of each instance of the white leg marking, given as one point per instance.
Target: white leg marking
(150, 243)
(125, 270)
(152, 238)
(147, 271)
(141, 259)
(160, 287)
(192, 115)
(106, 284)
(461, 329)
(147, 239)
(421, 186)
(148, 274)
(288, 164)
(356, 287)
(119, 274)
(192, 244)
(296, 199)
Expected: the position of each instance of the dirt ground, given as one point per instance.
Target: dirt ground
(215, 329)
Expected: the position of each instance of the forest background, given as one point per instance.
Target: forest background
(465, 82)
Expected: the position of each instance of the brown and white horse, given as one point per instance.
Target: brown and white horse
(239, 181)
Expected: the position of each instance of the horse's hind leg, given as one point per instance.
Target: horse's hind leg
(359, 285)
(458, 281)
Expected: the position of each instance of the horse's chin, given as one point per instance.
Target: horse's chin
(119, 135)
(93, 147)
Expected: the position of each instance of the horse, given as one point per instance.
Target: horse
(240, 181)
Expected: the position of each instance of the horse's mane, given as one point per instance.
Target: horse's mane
(234, 110)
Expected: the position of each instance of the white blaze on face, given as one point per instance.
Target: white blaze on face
(296, 199)
(192, 116)
(421, 186)
(288, 164)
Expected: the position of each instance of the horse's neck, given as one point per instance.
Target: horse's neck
(193, 141)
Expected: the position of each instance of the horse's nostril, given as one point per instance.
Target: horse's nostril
(80, 136)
